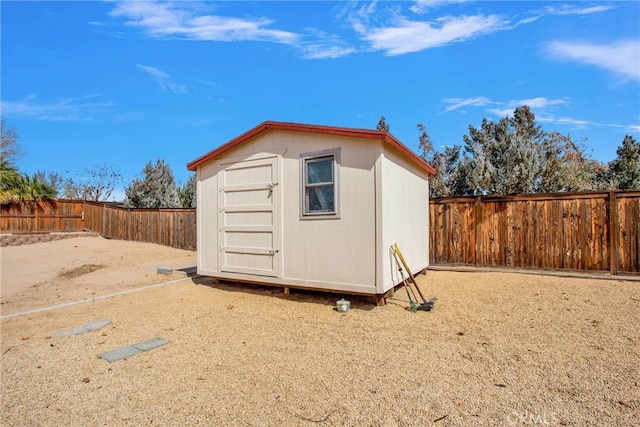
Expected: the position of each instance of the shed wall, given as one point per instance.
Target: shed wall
(405, 216)
(207, 219)
(335, 254)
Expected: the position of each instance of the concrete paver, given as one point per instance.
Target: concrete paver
(120, 353)
(132, 350)
(89, 327)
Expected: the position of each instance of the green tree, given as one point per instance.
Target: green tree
(514, 156)
(568, 167)
(625, 168)
(382, 124)
(156, 189)
(447, 179)
(54, 179)
(504, 157)
(187, 193)
(10, 182)
(424, 142)
(31, 189)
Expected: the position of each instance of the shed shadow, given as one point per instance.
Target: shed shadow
(327, 298)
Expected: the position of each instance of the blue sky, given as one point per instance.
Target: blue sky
(124, 83)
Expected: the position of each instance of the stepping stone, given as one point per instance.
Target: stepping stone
(120, 353)
(89, 327)
(132, 350)
(150, 344)
(94, 326)
(164, 270)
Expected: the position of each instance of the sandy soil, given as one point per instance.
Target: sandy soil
(498, 349)
(43, 274)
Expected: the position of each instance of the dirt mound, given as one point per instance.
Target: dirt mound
(79, 271)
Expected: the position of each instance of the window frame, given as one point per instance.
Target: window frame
(305, 159)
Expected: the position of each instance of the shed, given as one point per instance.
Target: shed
(307, 206)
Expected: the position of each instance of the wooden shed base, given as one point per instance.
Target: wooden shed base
(379, 300)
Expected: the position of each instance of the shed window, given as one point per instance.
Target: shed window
(320, 189)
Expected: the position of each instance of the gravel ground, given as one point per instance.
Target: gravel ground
(498, 349)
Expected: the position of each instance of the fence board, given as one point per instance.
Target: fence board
(629, 232)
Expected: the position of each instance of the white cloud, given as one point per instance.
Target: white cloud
(187, 20)
(539, 102)
(566, 9)
(622, 57)
(503, 108)
(324, 46)
(575, 122)
(63, 109)
(456, 103)
(413, 36)
(321, 51)
(423, 6)
(528, 20)
(633, 128)
(360, 17)
(163, 79)
(584, 124)
(501, 112)
(539, 106)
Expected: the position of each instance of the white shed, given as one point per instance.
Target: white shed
(306, 206)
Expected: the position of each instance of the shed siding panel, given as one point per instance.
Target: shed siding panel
(405, 215)
(207, 217)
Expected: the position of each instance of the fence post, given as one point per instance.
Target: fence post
(104, 220)
(478, 208)
(614, 234)
(38, 225)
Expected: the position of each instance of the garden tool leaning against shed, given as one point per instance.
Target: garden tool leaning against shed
(403, 267)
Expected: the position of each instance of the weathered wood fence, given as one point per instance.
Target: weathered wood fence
(577, 231)
(169, 227)
(41, 217)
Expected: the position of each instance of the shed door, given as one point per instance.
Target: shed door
(247, 218)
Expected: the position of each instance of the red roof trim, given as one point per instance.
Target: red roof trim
(386, 137)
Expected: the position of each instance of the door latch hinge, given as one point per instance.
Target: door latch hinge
(270, 187)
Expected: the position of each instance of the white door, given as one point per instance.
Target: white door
(248, 217)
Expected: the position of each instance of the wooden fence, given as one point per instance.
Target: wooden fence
(169, 227)
(42, 217)
(578, 231)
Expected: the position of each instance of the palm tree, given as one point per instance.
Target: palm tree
(17, 188)
(9, 181)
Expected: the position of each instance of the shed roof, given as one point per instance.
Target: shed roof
(379, 135)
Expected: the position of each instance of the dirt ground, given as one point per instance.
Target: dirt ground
(43, 274)
(498, 349)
